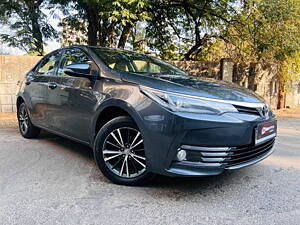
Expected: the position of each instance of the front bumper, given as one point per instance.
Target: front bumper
(207, 162)
(214, 143)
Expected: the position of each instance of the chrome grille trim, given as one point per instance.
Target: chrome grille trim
(227, 156)
(262, 111)
(207, 149)
(243, 109)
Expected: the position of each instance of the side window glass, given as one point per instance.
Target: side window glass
(48, 65)
(155, 68)
(147, 67)
(142, 66)
(72, 56)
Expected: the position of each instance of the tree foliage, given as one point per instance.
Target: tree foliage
(265, 30)
(290, 69)
(248, 31)
(268, 30)
(27, 25)
(191, 24)
(109, 23)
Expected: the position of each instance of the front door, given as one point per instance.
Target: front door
(37, 89)
(72, 102)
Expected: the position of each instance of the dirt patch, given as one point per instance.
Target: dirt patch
(291, 113)
(8, 120)
(8, 116)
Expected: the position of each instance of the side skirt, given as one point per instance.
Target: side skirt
(66, 136)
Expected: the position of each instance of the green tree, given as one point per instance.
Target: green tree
(189, 24)
(138, 38)
(26, 24)
(127, 13)
(290, 69)
(109, 23)
(267, 30)
(79, 14)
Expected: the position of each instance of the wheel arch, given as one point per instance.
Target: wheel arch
(112, 109)
(19, 101)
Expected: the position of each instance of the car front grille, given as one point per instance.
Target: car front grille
(227, 157)
(249, 110)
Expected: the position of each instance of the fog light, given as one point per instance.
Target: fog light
(181, 155)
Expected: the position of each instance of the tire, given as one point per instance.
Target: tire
(27, 129)
(122, 160)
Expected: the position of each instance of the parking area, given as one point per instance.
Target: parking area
(52, 180)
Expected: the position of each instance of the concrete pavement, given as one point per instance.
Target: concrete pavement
(52, 180)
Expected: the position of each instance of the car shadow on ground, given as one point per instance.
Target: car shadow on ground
(68, 144)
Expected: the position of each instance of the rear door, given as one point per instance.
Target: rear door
(37, 89)
(72, 102)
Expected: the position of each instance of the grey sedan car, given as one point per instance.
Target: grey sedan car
(143, 116)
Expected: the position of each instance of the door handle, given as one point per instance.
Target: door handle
(52, 85)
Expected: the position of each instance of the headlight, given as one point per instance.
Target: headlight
(181, 103)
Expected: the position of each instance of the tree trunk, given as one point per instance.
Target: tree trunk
(252, 76)
(37, 36)
(188, 55)
(196, 49)
(92, 34)
(125, 35)
(111, 35)
(281, 96)
(106, 33)
(93, 21)
(102, 32)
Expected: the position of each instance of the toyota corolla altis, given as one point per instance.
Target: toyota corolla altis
(143, 116)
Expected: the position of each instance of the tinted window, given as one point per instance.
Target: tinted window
(72, 56)
(136, 63)
(47, 66)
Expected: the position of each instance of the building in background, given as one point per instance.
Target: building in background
(293, 95)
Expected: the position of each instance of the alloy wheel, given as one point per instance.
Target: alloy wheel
(23, 119)
(123, 152)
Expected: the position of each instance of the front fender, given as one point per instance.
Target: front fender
(120, 104)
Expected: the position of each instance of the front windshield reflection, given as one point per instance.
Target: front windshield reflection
(127, 61)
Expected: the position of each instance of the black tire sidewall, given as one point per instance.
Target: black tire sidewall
(112, 125)
(32, 131)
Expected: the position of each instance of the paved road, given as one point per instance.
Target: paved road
(55, 181)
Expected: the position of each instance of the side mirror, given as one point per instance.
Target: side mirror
(80, 70)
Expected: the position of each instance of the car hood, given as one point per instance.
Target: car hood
(195, 86)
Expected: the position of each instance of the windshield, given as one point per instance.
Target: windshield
(126, 61)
